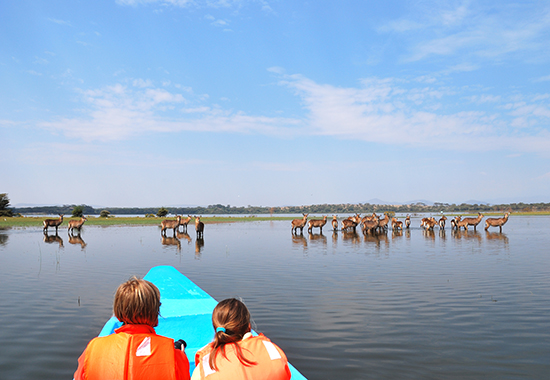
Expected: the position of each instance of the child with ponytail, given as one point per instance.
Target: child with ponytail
(235, 353)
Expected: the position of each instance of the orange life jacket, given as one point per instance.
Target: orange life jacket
(271, 361)
(138, 354)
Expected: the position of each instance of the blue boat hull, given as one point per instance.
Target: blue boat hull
(185, 313)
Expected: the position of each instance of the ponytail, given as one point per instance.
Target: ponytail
(231, 320)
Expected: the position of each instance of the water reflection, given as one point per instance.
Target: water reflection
(77, 239)
(171, 240)
(318, 238)
(184, 235)
(377, 239)
(51, 239)
(199, 245)
(496, 236)
(299, 240)
(466, 235)
(3, 237)
(351, 236)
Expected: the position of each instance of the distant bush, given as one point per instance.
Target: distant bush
(104, 214)
(162, 212)
(4, 204)
(78, 211)
(150, 215)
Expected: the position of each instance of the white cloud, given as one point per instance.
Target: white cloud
(382, 112)
(60, 22)
(118, 112)
(473, 30)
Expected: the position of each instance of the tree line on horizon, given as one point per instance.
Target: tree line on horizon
(218, 209)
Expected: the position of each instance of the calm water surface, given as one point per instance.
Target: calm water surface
(416, 305)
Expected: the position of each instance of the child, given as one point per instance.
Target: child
(135, 351)
(235, 354)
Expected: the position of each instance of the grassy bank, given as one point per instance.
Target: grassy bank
(121, 221)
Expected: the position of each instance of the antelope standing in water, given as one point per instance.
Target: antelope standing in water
(496, 222)
(396, 224)
(454, 222)
(52, 223)
(351, 222)
(369, 223)
(334, 223)
(474, 221)
(76, 224)
(383, 224)
(199, 227)
(317, 223)
(185, 222)
(169, 223)
(408, 222)
(441, 222)
(430, 223)
(299, 223)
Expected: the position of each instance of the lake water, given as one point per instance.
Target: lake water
(414, 305)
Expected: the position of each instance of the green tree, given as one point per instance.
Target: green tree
(4, 204)
(162, 212)
(78, 211)
(104, 214)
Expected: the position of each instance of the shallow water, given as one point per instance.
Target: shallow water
(413, 305)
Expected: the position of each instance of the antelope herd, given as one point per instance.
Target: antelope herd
(371, 224)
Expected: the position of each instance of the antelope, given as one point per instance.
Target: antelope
(169, 223)
(396, 224)
(76, 224)
(334, 223)
(408, 222)
(370, 224)
(441, 222)
(382, 225)
(299, 223)
(184, 223)
(199, 227)
(454, 222)
(314, 223)
(52, 223)
(348, 224)
(462, 223)
(496, 222)
(474, 221)
(430, 223)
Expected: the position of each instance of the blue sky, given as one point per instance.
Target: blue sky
(255, 102)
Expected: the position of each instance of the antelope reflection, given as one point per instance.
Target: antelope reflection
(184, 235)
(377, 239)
(465, 234)
(351, 236)
(77, 239)
(318, 238)
(299, 240)
(199, 244)
(171, 240)
(496, 236)
(50, 239)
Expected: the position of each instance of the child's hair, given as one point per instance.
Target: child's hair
(137, 301)
(231, 320)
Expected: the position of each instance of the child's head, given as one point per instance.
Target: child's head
(231, 318)
(231, 321)
(137, 301)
